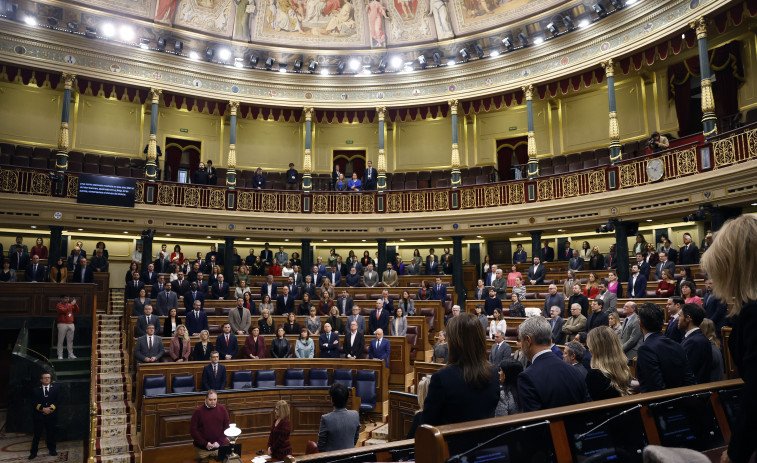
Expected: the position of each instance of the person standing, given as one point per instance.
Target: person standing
(66, 327)
(214, 374)
(291, 183)
(209, 420)
(278, 441)
(339, 429)
(45, 414)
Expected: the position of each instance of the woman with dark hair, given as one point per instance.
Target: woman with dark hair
(508, 395)
(280, 345)
(485, 266)
(291, 326)
(40, 249)
(689, 293)
(424, 292)
(685, 274)
(447, 266)
(177, 253)
(305, 305)
(591, 289)
(296, 259)
(59, 271)
(248, 303)
(130, 274)
(596, 259)
(366, 259)
(99, 245)
(585, 251)
(467, 388)
(667, 286)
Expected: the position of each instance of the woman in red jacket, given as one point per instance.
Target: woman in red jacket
(255, 344)
(278, 442)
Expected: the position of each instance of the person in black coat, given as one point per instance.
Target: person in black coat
(200, 176)
(214, 375)
(45, 415)
(597, 316)
(538, 388)
(467, 388)
(689, 252)
(695, 343)
(661, 362)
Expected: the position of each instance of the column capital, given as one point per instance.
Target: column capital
(308, 110)
(381, 111)
(529, 91)
(233, 107)
(453, 106)
(609, 67)
(68, 80)
(156, 92)
(700, 26)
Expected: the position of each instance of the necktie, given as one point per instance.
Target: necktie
(149, 343)
(378, 314)
(35, 269)
(378, 343)
(215, 370)
(496, 347)
(197, 314)
(46, 391)
(135, 283)
(227, 340)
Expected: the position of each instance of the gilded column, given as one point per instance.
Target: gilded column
(456, 181)
(151, 168)
(533, 164)
(307, 163)
(61, 160)
(231, 172)
(615, 154)
(381, 168)
(709, 126)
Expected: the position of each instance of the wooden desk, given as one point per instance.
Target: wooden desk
(22, 299)
(381, 452)
(402, 408)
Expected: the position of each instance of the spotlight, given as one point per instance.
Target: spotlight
(324, 72)
(144, 43)
(451, 62)
(282, 67)
(73, 26)
(479, 51)
(507, 42)
(584, 23)
(239, 62)
(90, 32)
(30, 21)
(178, 47)
(631, 2)
(567, 22)
(297, 65)
(253, 60)
(9, 10)
(538, 40)
(396, 62)
(52, 21)
(127, 34)
(617, 4)
(269, 62)
(312, 66)
(422, 61)
(607, 228)
(209, 52)
(552, 29)
(109, 30)
(354, 64)
(599, 9)
(494, 54)
(224, 54)
(464, 54)
(523, 39)
(340, 67)
(381, 65)
(161, 43)
(194, 55)
(437, 58)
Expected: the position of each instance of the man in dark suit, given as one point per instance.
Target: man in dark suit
(353, 278)
(689, 252)
(35, 271)
(294, 288)
(197, 319)
(149, 347)
(45, 415)
(134, 287)
(556, 322)
(357, 318)
(226, 343)
(672, 253)
(664, 263)
(674, 306)
(334, 276)
(202, 285)
(309, 287)
(695, 343)
(339, 429)
(491, 276)
(432, 263)
(19, 260)
(166, 300)
(547, 253)
(637, 284)
(83, 273)
(578, 298)
(211, 253)
(180, 285)
(369, 177)
(553, 299)
(345, 303)
(192, 296)
(576, 263)
(439, 290)
(73, 260)
(520, 256)
(158, 287)
(379, 318)
(214, 374)
(661, 362)
(220, 290)
(354, 342)
(574, 354)
(379, 347)
(597, 317)
(266, 255)
(143, 321)
(285, 302)
(500, 350)
(537, 385)
(270, 288)
(329, 342)
(611, 261)
(492, 302)
(644, 267)
(536, 272)
(150, 276)
(567, 253)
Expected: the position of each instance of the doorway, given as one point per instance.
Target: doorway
(512, 158)
(181, 154)
(350, 161)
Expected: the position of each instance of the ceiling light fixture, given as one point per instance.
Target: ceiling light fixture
(109, 30)
(224, 54)
(127, 34)
(396, 62)
(30, 21)
(354, 64)
(494, 54)
(312, 66)
(194, 55)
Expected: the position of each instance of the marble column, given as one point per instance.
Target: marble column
(456, 180)
(228, 258)
(151, 168)
(535, 244)
(307, 162)
(622, 230)
(231, 164)
(457, 269)
(533, 164)
(615, 153)
(709, 120)
(381, 168)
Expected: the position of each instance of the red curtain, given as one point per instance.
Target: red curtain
(505, 150)
(356, 157)
(174, 152)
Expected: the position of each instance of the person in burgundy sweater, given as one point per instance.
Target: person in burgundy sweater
(209, 420)
(278, 441)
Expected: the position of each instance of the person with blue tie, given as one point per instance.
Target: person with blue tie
(520, 256)
(214, 375)
(439, 291)
(379, 348)
(432, 263)
(197, 319)
(329, 342)
(192, 296)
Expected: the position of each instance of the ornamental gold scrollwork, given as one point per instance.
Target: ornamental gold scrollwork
(73, 187)
(751, 140)
(293, 203)
(217, 199)
(320, 203)
(8, 180)
(343, 204)
(244, 201)
(725, 154)
(517, 193)
(441, 200)
(394, 202)
(597, 181)
(366, 203)
(192, 197)
(139, 192)
(41, 184)
(570, 186)
(628, 177)
(165, 195)
(417, 202)
(545, 190)
(468, 199)
(269, 202)
(687, 162)
(492, 196)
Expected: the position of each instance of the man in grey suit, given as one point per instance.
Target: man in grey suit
(631, 336)
(144, 321)
(167, 300)
(500, 285)
(240, 318)
(356, 317)
(370, 277)
(610, 298)
(413, 268)
(556, 322)
(339, 429)
(663, 264)
(149, 347)
(500, 350)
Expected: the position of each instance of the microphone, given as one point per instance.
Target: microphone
(457, 458)
(581, 437)
(701, 395)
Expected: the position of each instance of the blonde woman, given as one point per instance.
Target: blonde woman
(422, 392)
(708, 330)
(278, 441)
(498, 323)
(179, 349)
(609, 376)
(265, 322)
(615, 324)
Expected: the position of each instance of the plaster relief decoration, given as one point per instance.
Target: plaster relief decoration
(214, 16)
(410, 21)
(473, 15)
(243, 18)
(338, 22)
(134, 7)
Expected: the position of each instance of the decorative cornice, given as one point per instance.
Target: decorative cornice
(233, 107)
(156, 92)
(700, 26)
(609, 67)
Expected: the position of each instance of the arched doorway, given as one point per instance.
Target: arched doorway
(181, 154)
(512, 156)
(350, 161)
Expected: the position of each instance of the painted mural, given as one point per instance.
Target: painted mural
(473, 15)
(214, 16)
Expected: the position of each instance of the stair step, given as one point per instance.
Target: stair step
(121, 458)
(114, 420)
(116, 430)
(113, 446)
